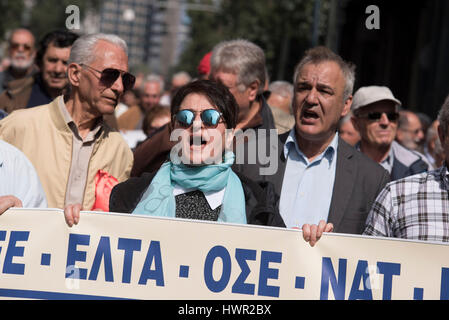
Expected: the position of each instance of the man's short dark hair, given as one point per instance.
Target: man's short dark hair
(57, 38)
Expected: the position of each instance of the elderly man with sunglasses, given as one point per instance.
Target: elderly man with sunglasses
(375, 116)
(21, 53)
(416, 207)
(78, 157)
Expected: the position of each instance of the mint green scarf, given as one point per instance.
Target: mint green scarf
(158, 199)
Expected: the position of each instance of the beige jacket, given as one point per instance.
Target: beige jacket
(42, 134)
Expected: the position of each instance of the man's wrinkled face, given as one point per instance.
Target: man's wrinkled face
(21, 50)
(412, 135)
(377, 132)
(318, 102)
(151, 95)
(230, 80)
(101, 98)
(348, 133)
(54, 67)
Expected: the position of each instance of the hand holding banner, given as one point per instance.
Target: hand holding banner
(110, 255)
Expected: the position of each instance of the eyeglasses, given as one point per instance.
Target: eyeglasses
(375, 116)
(15, 46)
(109, 75)
(209, 117)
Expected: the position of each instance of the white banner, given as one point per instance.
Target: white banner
(109, 256)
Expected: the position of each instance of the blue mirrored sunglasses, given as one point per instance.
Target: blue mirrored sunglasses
(209, 117)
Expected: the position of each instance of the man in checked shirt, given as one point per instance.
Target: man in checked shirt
(416, 207)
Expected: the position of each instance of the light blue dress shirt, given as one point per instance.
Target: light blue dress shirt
(19, 178)
(307, 186)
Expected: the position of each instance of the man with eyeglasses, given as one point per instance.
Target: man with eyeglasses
(375, 116)
(78, 157)
(51, 80)
(21, 53)
(410, 131)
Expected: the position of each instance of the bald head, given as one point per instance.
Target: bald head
(21, 50)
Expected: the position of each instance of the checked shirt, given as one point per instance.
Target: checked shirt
(415, 207)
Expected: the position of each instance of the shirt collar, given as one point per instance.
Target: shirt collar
(291, 143)
(214, 199)
(390, 157)
(388, 160)
(69, 120)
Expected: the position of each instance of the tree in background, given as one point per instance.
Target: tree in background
(282, 28)
(40, 16)
(11, 15)
(48, 15)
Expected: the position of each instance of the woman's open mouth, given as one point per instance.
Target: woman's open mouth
(197, 142)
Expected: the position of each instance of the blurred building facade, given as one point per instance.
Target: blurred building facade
(155, 31)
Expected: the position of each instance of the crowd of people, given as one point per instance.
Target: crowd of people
(80, 132)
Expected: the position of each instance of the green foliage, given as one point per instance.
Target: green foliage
(48, 15)
(44, 16)
(11, 15)
(282, 28)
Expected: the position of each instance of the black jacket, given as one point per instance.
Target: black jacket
(260, 199)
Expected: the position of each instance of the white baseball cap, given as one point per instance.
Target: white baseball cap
(370, 94)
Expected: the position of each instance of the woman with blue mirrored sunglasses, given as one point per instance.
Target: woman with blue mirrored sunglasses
(209, 117)
(204, 191)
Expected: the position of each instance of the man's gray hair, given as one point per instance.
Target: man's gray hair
(322, 54)
(152, 77)
(183, 75)
(243, 58)
(83, 47)
(443, 116)
(282, 88)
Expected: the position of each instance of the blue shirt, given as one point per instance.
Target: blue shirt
(307, 186)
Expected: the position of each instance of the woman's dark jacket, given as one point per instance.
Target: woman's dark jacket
(260, 200)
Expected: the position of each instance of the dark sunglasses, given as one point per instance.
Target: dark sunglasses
(375, 116)
(210, 117)
(109, 75)
(15, 46)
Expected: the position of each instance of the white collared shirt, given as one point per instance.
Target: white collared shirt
(19, 178)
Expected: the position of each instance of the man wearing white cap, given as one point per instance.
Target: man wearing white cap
(375, 116)
(416, 207)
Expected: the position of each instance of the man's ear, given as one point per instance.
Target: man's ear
(74, 74)
(253, 89)
(347, 106)
(355, 123)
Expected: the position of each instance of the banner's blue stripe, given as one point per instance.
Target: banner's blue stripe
(33, 294)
